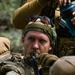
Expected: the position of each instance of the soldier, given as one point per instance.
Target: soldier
(51, 9)
(63, 66)
(38, 39)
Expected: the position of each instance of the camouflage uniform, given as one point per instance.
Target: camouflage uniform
(44, 71)
(17, 64)
(12, 65)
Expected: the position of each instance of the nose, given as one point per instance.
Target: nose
(36, 44)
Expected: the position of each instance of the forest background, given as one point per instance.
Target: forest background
(7, 30)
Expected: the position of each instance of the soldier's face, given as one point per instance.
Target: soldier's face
(36, 43)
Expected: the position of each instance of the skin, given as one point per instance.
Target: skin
(63, 2)
(73, 19)
(36, 42)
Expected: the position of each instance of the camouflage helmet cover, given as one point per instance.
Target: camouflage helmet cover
(48, 29)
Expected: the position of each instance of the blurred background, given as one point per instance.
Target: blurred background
(7, 30)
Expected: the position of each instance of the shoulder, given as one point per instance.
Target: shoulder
(13, 64)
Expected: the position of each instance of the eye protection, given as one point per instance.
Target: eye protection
(43, 19)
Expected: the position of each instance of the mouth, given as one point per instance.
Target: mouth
(34, 54)
(31, 55)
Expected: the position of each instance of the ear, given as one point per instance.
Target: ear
(50, 48)
(22, 39)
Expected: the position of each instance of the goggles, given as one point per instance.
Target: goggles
(43, 19)
(40, 23)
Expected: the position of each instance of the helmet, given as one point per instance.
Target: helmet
(42, 24)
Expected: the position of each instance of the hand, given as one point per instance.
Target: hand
(73, 19)
(47, 60)
(63, 2)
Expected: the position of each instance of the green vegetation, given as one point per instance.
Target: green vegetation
(7, 7)
(7, 30)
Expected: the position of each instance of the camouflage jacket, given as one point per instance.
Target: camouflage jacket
(17, 64)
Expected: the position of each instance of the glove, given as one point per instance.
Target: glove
(47, 60)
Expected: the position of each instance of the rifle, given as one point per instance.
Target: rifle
(34, 65)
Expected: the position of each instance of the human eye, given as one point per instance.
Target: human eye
(31, 39)
(42, 41)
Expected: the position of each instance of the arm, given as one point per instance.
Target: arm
(30, 7)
